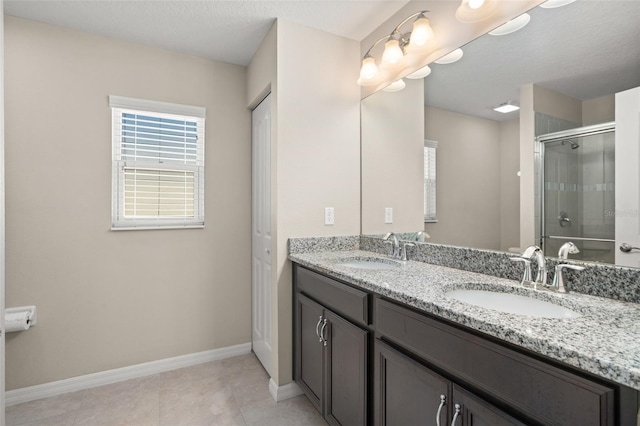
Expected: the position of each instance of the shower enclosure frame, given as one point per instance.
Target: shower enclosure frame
(539, 147)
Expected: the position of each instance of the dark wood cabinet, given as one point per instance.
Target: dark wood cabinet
(310, 350)
(331, 363)
(346, 372)
(407, 393)
(473, 411)
(427, 371)
(542, 392)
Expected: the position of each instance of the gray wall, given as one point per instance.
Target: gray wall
(112, 299)
(468, 179)
(509, 184)
(393, 159)
(315, 154)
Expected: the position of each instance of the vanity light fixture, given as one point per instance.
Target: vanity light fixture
(397, 46)
(396, 86)
(506, 107)
(392, 53)
(475, 10)
(450, 57)
(512, 26)
(550, 4)
(421, 73)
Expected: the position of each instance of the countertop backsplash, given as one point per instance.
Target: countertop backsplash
(610, 281)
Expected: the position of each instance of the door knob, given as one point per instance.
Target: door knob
(626, 248)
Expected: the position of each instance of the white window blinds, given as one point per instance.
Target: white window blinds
(158, 165)
(430, 148)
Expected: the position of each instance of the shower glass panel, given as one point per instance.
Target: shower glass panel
(578, 193)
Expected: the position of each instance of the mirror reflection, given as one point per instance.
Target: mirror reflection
(563, 69)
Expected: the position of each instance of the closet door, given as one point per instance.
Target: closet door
(261, 238)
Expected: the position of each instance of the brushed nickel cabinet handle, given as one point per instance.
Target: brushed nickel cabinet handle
(443, 400)
(322, 338)
(455, 416)
(317, 329)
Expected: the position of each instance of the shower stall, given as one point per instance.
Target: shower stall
(578, 191)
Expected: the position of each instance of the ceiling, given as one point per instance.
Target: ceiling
(587, 49)
(227, 30)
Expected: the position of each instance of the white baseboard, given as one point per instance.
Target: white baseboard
(88, 381)
(280, 393)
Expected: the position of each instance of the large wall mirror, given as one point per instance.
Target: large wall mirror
(568, 62)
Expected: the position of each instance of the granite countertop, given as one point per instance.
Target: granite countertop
(604, 340)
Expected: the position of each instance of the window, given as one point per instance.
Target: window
(158, 164)
(430, 148)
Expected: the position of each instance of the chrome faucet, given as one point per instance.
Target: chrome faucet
(526, 257)
(558, 278)
(563, 254)
(541, 277)
(566, 249)
(403, 250)
(421, 236)
(392, 239)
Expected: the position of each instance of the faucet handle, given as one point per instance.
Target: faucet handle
(558, 278)
(392, 249)
(403, 252)
(421, 236)
(569, 266)
(530, 251)
(526, 275)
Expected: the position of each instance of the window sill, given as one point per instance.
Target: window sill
(155, 227)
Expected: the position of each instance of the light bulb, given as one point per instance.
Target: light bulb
(422, 32)
(392, 52)
(475, 10)
(369, 68)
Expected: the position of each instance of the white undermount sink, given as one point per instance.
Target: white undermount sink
(370, 264)
(512, 304)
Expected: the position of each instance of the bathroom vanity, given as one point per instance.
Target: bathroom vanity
(387, 346)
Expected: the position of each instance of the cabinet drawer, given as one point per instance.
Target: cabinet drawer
(340, 298)
(538, 390)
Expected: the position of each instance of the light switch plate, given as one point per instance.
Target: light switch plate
(388, 215)
(329, 216)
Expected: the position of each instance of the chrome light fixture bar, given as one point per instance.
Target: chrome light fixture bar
(396, 46)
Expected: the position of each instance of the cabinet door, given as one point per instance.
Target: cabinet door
(309, 350)
(406, 392)
(346, 372)
(473, 411)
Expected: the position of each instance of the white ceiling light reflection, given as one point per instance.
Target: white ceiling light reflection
(451, 57)
(512, 26)
(396, 86)
(506, 107)
(550, 4)
(421, 73)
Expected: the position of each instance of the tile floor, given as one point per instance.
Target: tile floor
(233, 391)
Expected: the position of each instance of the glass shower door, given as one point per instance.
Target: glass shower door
(579, 194)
